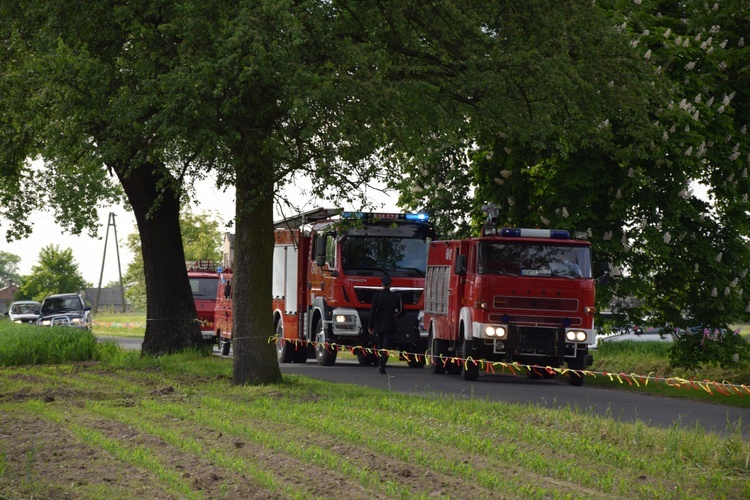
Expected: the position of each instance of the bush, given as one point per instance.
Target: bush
(699, 347)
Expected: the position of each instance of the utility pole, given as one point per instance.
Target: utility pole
(110, 222)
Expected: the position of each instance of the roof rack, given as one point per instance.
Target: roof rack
(298, 220)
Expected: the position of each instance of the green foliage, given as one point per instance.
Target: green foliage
(35, 345)
(55, 272)
(638, 101)
(9, 267)
(134, 279)
(700, 348)
(201, 236)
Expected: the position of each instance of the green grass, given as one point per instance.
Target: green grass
(634, 360)
(33, 345)
(177, 427)
(120, 324)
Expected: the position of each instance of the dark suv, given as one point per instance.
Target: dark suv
(65, 309)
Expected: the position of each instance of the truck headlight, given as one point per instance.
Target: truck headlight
(575, 336)
(495, 332)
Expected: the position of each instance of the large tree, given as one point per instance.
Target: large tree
(80, 92)
(658, 102)
(343, 91)
(273, 88)
(55, 272)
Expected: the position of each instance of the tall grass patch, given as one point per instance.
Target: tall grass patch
(34, 345)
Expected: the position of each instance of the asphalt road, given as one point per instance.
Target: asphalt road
(551, 393)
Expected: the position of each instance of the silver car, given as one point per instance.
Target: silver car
(24, 311)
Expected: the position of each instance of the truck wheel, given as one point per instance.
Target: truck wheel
(366, 358)
(300, 354)
(437, 348)
(577, 364)
(470, 369)
(325, 355)
(224, 346)
(284, 350)
(417, 361)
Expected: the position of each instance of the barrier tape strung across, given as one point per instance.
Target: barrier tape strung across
(116, 324)
(632, 379)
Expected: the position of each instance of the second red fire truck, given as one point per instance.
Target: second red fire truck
(327, 265)
(203, 283)
(523, 296)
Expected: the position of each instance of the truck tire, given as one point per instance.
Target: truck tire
(325, 355)
(455, 366)
(577, 364)
(437, 349)
(284, 350)
(470, 369)
(300, 354)
(417, 361)
(224, 346)
(366, 358)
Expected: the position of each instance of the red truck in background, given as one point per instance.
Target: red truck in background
(203, 282)
(223, 311)
(512, 296)
(327, 265)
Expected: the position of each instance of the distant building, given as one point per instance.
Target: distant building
(6, 295)
(110, 299)
(227, 259)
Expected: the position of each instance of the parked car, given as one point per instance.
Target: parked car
(65, 309)
(24, 311)
(636, 334)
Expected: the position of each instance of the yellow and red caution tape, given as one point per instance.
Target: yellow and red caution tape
(633, 379)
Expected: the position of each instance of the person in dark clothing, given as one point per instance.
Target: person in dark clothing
(386, 307)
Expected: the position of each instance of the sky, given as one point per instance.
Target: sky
(89, 253)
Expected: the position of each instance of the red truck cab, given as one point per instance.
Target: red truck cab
(511, 296)
(203, 280)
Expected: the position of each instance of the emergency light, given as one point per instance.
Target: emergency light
(420, 217)
(557, 234)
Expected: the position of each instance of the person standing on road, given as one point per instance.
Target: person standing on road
(386, 307)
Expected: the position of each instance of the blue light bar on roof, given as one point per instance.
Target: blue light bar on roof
(382, 215)
(558, 234)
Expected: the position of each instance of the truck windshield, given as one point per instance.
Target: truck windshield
(204, 288)
(522, 259)
(367, 255)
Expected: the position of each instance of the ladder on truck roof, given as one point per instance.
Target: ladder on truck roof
(298, 220)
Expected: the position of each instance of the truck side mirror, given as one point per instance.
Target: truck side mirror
(461, 265)
(320, 250)
(604, 274)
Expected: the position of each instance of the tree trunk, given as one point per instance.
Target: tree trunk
(171, 324)
(254, 356)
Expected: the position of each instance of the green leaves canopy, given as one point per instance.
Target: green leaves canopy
(55, 272)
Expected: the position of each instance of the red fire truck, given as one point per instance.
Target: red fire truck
(223, 313)
(327, 265)
(511, 296)
(203, 283)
